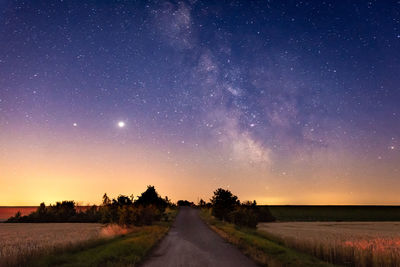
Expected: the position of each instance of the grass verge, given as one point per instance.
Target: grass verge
(125, 250)
(258, 247)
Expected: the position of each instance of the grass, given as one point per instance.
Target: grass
(336, 213)
(124, 250)
(127, 249)
(258, 247)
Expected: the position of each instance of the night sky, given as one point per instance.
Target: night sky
(284, 102)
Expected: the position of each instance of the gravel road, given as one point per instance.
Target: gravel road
(190, 242)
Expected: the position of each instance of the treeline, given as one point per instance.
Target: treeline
(124, 210)
(182, 203)
(147, 208)
(227, 207)
(65, 211)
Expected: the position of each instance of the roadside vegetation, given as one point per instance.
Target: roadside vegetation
(127, 229)
(256, 246)
(186, 203)
(123, 210)
(124, 250)
(236, 222)
(227, 207)
(304, 244)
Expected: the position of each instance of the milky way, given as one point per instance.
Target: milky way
(282, 102)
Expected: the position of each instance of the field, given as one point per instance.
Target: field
(335, 213)
(7, 212)
(346, 243)
(82, 244)
(28, 239)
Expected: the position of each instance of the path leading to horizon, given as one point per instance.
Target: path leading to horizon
(190, 242)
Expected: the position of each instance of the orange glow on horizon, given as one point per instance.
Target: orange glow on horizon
(48, 170)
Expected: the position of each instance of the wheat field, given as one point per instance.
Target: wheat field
(27, 239)
(346, 243)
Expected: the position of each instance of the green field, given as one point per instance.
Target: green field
(336, 213)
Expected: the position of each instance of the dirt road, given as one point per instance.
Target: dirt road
(190, 242)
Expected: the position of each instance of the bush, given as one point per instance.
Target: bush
(151, 197)
(185, 203)
(227, 207)
(150, 214)
(264, 214)
(243, 216)
(223, 203)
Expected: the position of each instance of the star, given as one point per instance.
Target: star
(75, 124)
(121, 124)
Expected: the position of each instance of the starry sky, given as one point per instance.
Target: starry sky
(284, 102)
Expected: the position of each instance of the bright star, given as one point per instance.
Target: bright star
(74, 124)
(121, 124)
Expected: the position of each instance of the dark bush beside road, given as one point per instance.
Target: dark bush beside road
(226, 207)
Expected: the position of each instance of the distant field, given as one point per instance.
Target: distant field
(348, 243)
(336, 213)
(26, 239)
(8, 211)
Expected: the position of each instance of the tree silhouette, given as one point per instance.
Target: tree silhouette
(202, 203)
(223, 203)
(184, 203)
(151, 197)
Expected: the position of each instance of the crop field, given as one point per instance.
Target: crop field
(345, 243)
(335, 213)
(7, 212)
(27, 239)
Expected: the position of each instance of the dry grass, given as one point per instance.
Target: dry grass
(29, 239)
(347, 243)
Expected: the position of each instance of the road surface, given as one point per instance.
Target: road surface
(190, 242)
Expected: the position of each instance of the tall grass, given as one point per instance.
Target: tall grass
(350, 244)
(19, 241)
(124, 250)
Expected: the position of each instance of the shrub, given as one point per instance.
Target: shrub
(150, 214)
(185, 203)
(243, 216)
(227, 207)
(223, 203)
(264, 214)
(151, 197)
